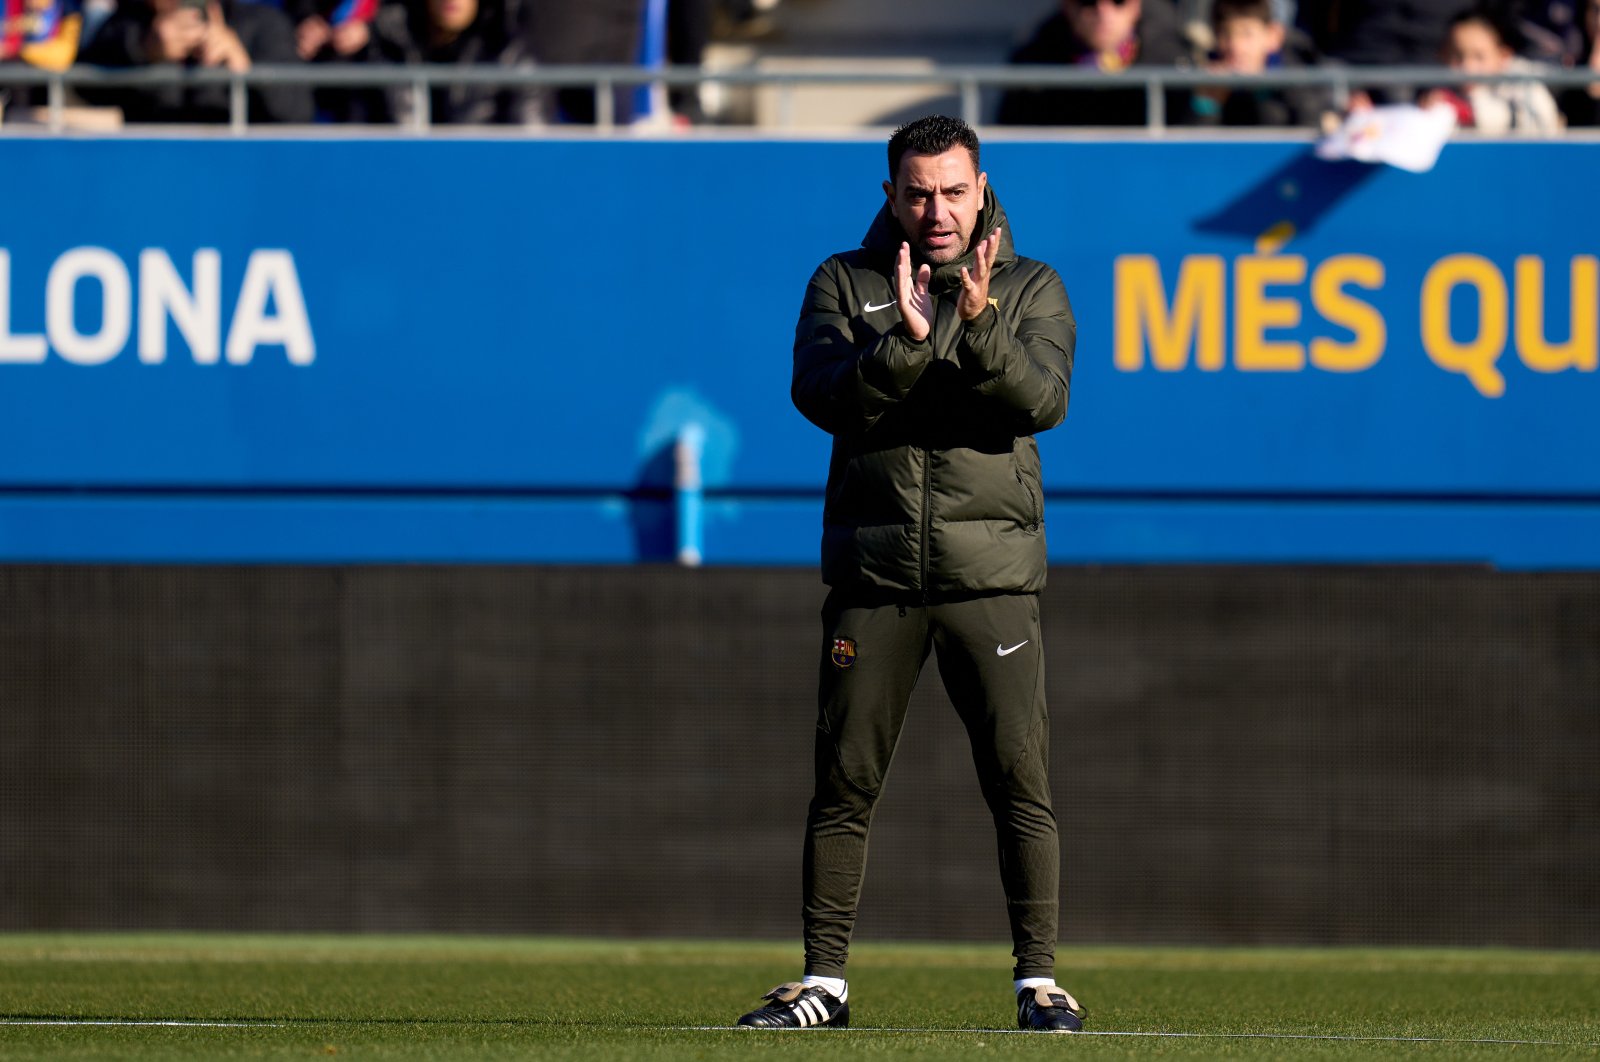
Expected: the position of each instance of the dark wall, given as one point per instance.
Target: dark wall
(1241, 755)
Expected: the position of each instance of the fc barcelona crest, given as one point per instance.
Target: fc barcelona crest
(844, 652)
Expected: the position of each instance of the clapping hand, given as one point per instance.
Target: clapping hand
(975, 281)
(916, 305)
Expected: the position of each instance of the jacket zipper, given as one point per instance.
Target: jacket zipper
(1036, 509)
(927, 473)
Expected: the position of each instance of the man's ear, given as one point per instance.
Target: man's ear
(888, 190)
(983, 182)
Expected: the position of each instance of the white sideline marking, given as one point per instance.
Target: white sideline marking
(1169, 1035)
(173, 1024)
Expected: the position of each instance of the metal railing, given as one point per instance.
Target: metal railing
(968, 82)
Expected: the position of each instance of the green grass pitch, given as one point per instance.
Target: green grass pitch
(404, 997)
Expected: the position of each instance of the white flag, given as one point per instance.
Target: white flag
(1402, 135)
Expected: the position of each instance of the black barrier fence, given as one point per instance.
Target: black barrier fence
(1241, 755)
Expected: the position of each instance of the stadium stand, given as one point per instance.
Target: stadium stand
(805, 64)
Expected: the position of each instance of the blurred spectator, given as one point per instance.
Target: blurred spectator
(1197, 19)
(1379, 32)
(688, 32)
(596, 31)
(223, 34)
(1582, 105)
(1552, 30)
(39, 33)
(458, 32)
(1482, 41)
(1105, 35)
(1250, 40)
(1567, 33)
(332, 28)
(339, 31)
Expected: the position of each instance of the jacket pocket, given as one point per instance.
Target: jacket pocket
(835, 492)
(1035, 506)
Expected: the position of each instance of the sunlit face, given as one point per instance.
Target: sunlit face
(453, 15)
(1104, 25)
(1246, 43)
(1476, 49)
(937, 199)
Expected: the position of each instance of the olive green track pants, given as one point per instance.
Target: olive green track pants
(993, 669)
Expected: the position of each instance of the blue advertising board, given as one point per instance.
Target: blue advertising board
(404, 350)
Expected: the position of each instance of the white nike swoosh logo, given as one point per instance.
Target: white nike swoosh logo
(998, 651)
(870, 308)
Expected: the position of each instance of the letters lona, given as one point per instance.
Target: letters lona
(270, 309)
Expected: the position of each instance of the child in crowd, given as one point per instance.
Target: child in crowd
(1250, 40)
(1481, 41)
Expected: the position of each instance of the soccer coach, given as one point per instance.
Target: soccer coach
(932, 354)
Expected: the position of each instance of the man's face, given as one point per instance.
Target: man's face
(937, 199)
(1104, 25)
(1246, 43)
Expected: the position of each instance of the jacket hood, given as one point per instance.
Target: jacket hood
(885, 235)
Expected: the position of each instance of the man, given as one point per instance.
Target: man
(1105, 35)
(458, 33)
(932, 355)
(222, 34)
(562, 33)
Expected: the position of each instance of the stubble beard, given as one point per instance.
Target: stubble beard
(938, 256)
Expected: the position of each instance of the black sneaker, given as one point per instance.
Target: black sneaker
(799, 1006)
(1049, 1009)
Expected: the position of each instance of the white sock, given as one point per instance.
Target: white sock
(1031, 982)
(834, 985)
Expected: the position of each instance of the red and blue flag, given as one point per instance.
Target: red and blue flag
(353, 11)
(43, 33)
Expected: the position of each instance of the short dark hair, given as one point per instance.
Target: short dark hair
(933, 135)
(1223, 10)
(1495, 19)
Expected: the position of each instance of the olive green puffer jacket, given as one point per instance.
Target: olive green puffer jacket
(934, 487)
